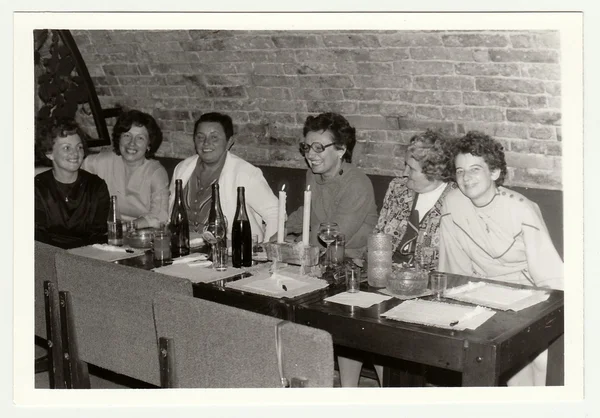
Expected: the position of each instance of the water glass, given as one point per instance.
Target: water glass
(219, 255)
(162, 246)
(255, 247)
(438, 282)
(337, 249)
(353, 280)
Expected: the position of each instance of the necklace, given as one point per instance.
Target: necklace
(66, 191)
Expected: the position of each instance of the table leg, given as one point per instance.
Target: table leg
(555, 373)
(409, 375)
(479, 366)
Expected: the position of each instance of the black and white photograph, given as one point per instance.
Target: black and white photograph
(364, 208)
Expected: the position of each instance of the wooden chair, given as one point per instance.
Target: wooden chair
(209, 345)
(46, 314)
(107, 317)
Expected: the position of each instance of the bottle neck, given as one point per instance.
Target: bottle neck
(113, 213)
(240, 213)
(178, 191)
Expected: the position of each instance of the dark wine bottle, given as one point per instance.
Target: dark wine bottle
(180, 226)
(241, 234)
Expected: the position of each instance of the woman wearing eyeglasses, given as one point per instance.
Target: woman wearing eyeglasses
(341, 192)
(140, 183)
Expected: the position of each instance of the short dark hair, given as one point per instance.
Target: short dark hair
(484, 146)
(338, 126)
(49, 131)
(224, 120)
(129, 118)
(431, 150)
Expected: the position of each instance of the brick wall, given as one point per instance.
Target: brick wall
(389, 84)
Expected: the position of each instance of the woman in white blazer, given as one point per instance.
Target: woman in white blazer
(213, 162)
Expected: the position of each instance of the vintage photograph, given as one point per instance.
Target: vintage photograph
(299, 207)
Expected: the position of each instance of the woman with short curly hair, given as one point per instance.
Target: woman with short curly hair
(490, 231)
(71, 205)
(412, 205)
(140, 183)
(411, 216)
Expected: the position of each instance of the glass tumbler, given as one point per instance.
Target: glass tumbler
(162, 246)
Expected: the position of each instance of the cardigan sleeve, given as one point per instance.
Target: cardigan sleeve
(544, 263)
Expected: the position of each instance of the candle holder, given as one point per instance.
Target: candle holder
(307, 257)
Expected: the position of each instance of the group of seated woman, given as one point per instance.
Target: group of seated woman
(448, 211)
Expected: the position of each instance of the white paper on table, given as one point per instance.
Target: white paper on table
(106, 252)
(190, 258)
(440, 314)
(262, 282)
(360, 299)
(197, 274)
(497, 296)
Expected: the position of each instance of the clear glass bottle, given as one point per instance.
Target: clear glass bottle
(217, 226)
(180, 227)
(115, 225)
(241, 234)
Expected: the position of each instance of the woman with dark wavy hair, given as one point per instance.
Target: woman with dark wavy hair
(341, 192)
(490, 231)
(140, 183)
(71, 205)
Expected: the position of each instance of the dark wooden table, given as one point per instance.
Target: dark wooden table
(505, 342)
(283, 308)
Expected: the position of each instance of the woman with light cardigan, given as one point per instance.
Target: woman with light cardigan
(214, 163)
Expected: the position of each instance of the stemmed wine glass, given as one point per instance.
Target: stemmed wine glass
(327, 233)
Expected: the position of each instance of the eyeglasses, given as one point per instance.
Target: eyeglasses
(316, 147)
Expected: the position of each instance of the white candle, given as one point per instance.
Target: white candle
(306, 217)
(281, 216)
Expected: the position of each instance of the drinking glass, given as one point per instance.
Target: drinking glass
(338, 252)
(327, 233)
(353, 279)
(218, 242)
(162, 245)
(439, 281)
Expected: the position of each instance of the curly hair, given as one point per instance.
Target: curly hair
(130, 118)
(484, 146)
(47, 134)
(344, 135)
(224, 120)
(431, 150)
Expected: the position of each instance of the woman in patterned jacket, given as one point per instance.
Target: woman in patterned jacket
(411, 215)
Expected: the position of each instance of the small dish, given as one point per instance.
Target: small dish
(405, 281)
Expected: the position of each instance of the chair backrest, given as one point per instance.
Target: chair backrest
(111, 307)
(219, 346)
(44, 271)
